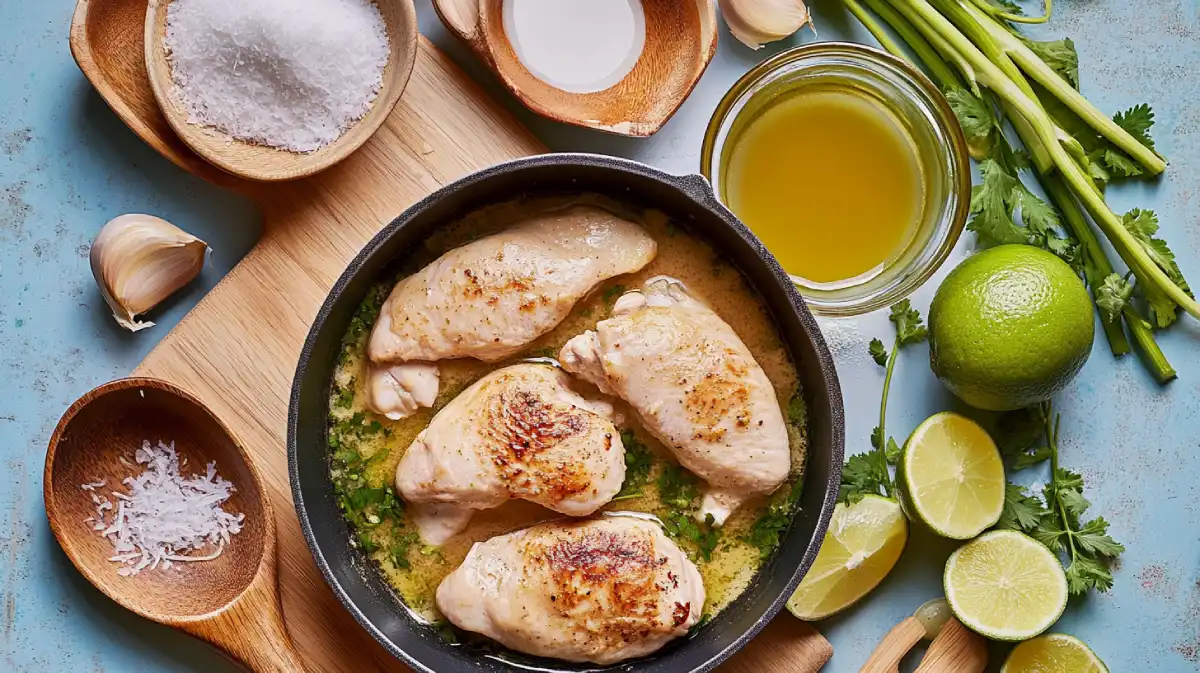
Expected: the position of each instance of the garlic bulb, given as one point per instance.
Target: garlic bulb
(140, 260)
(757, 22)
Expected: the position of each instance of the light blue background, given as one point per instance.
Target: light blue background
(67, 165)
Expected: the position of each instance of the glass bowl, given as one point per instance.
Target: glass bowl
(926, 117)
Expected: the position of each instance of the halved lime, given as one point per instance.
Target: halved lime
(1053, 653)
(1005, 585)
(952, 476)
(861, 547)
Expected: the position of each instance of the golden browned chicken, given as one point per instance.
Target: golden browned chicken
(602, 590)
(696, 387)
(519, 432)
(489, 298)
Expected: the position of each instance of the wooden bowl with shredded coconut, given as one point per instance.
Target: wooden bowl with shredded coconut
(155, 503)
(269, 92)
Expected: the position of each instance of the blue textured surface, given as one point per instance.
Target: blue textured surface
(67, 165)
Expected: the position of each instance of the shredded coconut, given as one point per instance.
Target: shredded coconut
(164, 516)
(293, 75)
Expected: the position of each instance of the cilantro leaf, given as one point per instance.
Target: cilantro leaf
(891, 453)
(1093, 538)
(977, 120)
(1086, 573)
(992, 208)
(679, 492)
(638, 463)
(1111, 296)
(878, 353)
(909, 327)
(1137, 121)
(767, 531)
(1120, 165)
(862, 476)
(1022, 511)
(1143, 224)
(1060, 55)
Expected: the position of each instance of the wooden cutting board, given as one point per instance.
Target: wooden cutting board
(237, 350)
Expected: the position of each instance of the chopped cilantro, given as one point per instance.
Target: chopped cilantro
(638, 463)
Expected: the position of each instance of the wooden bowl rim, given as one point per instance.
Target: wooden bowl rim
(403, 48)
(707, 11)
(64, 539)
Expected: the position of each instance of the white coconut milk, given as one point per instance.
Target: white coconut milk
(581, 46)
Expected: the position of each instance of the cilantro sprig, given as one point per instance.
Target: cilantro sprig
(679, 491)
(869, 473)
(1057, 518)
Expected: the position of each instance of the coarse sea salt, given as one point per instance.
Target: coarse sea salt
(292, 75)
(163, 516)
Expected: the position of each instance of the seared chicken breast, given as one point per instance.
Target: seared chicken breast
(601, 590)
(519, 432)
(490, 298)
(696, 387)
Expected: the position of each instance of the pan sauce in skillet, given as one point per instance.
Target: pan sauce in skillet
(365, 448)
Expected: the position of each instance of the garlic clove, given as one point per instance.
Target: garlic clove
(140, 260)
(757, 22)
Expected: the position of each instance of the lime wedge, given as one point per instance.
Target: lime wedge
(1005, 585)
(951, 476)
(1053, 653)
(863, 543)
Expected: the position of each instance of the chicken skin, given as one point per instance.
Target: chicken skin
(696, 387)
(490, 298)
(602, 590)
(519, 432)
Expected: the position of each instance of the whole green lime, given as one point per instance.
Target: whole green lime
(1009, 328)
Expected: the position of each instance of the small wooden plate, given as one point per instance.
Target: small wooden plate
(681, 38)
(259, 162)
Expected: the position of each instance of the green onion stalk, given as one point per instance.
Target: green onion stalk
(965, 44)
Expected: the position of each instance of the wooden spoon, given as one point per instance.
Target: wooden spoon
(231, 601)
(681, 38)
(259, 162)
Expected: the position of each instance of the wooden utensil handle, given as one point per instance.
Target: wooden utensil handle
(957, 649)
(887, 655)
(252, 632)
(787, 645)
(461, 16)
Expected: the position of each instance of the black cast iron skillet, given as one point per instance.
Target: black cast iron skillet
(690, 202)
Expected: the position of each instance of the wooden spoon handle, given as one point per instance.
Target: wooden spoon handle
(251, 631)
(787, 645)
(461, 17)
(957, 649)
(886, 657)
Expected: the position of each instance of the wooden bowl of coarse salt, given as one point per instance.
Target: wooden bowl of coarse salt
(273, 89)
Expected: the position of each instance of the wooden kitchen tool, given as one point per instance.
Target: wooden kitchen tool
(894, 646)
(237, 350)
(259, 162)
(681, 38)
(231, 601)
(956, 649)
